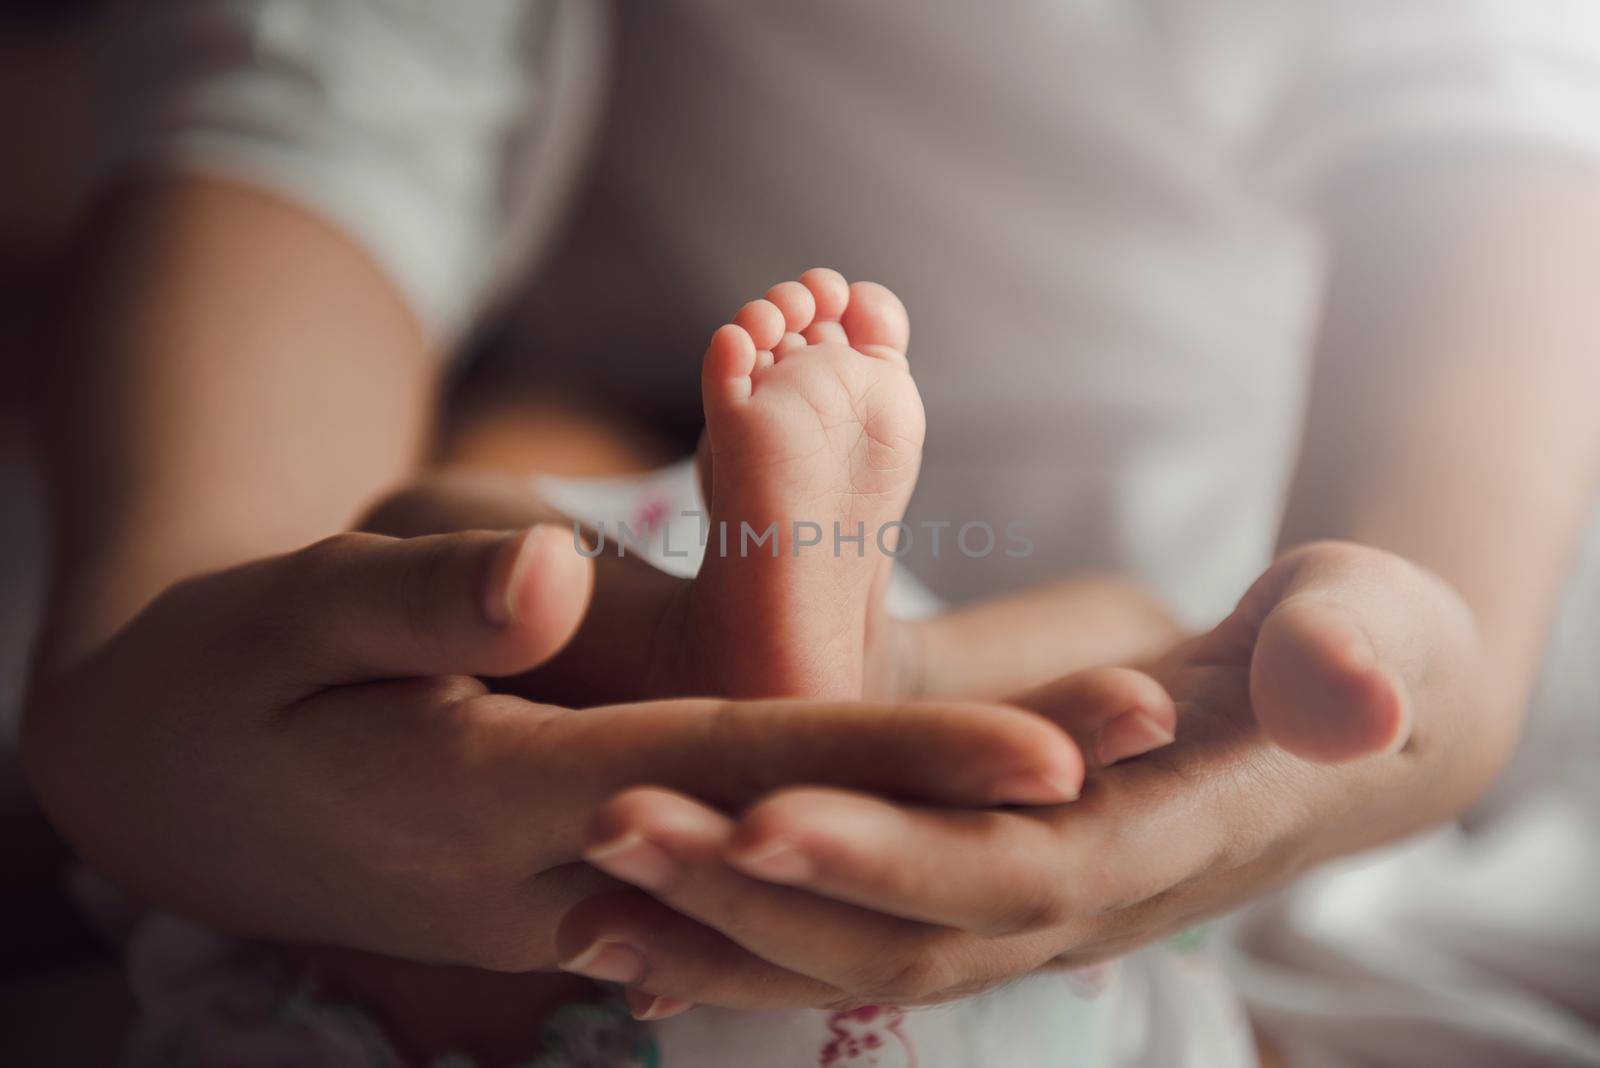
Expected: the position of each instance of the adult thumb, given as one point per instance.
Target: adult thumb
(1348, 638)
(365, 606)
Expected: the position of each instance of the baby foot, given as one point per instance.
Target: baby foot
(814, 435)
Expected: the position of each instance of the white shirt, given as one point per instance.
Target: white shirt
(1094, 210)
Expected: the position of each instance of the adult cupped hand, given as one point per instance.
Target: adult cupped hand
(827, 897)
(299, 748)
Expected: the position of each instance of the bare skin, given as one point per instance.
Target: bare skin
(113, 527)
(1450, 422)
(1153, 845)
(1491, 516)
(826, 430)
(222, 720)
(786, 433)
(811, 416)
(181, 393)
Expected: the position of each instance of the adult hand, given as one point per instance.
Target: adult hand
(825, 897)
(296, 748)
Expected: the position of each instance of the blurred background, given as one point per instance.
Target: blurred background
(63, 1000)
(62, 996)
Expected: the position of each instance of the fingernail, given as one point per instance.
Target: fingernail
(1129, 735)
(635, 859)
(1035, 788)
(776, 862)
(503, 577)
(607, 962)
(643, 1007)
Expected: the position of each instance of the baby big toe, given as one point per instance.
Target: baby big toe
(875, 321)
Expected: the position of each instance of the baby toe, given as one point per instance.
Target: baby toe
(875, 321)
(796, 303)
(764, 323)
(829, 290)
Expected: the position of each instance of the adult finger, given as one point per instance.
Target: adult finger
(987, 872)
(671, 960)
(1113, 713)
(731, 752)
(671, 846)
(516, 784)
(1133, 835)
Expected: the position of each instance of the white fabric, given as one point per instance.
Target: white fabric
(418, 127)
(209, 999)
(1094, 210)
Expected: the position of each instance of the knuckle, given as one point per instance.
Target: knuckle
(321, 556)
(444, 712)
(921, 975)
(398, 512)
(1041, 909)
(457, 709)
(728, 742)
(462, 719)
(463, 698)
(925, 977)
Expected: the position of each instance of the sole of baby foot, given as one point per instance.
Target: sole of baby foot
(895, 653)
(814, 434)
(1319, 689)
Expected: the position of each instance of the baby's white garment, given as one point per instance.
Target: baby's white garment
(210, 1000)
(1155, 1009)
